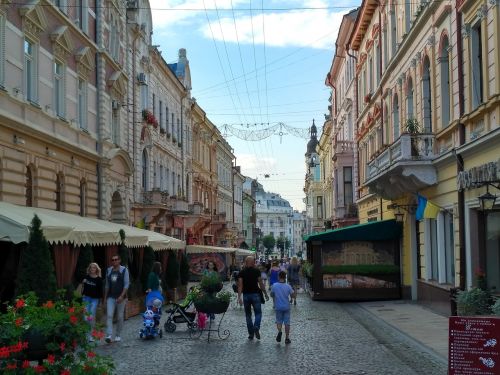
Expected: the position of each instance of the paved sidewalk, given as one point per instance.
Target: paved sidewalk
(417, 322)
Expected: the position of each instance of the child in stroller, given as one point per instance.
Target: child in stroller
(182, 313)
(151, 317)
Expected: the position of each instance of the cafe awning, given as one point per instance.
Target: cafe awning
(245, 252)
(63, 228)
(372, 231)
(202, 249)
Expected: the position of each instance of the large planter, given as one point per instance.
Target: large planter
(211, 289)
(211, 305)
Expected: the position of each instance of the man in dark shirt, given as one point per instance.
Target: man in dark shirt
(250, 284)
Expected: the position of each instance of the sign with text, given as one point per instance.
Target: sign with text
(474, 346)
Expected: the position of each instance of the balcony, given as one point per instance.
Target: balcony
(343, 149)
(404, 167)
(155, 197)
(346, 212)
(179, 205)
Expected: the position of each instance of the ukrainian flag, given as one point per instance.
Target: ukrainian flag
(426, 209)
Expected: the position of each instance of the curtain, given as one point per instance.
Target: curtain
(65, 259)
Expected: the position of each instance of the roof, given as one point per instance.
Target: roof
(64, 228)
(372, 231)
(364, 17)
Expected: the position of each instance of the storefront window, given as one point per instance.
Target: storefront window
(493, 251)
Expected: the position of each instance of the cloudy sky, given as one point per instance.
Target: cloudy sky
(255, 65)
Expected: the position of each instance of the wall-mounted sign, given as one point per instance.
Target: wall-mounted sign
(474, 346)
(477, 176)
(178, 222)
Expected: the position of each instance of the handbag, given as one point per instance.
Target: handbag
(262, 299)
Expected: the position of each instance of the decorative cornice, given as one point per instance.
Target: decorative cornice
(34, 20)
(85, 62)
(63, 46)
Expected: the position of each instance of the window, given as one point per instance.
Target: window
(2, 50)
(82, 103)
(167, 186)
(82, 15)
(154, 105)
(29, 187)
(162, 186)
(407, 16)
(370, 75)
(348, 194)
(319, 207)
(173, 132)
(179, 131)
(445, 83)
(440, 248)
(83, 198)
(432, 251)
(394, 30)
(115, 126)
(179, 188)
(476, 65)
(61, 4)
(173, 182)
(271, 223)
(385, 47)
(427, 96)
(449, 248)
(59, 94)
(155, 175)
(492, 251)
(261, 223)
(160, 117)
(30, 71)
(377, 63)
(395, 117)
(145, 170)
(409, 99)
(59, 191)
(166, 120)
(144, 97)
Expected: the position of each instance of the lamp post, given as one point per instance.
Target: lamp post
(487, 200)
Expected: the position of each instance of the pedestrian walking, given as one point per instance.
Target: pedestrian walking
(250, 286)
(294, 278)
(115, 294)
(263, 274)
(274, 276)
(154, 278)
(281, 293)
(92, 293)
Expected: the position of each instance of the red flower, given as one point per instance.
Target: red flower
(65, 372)
(71, 310)
(39, 369)
(25, 345)
(19, 322)
(97, 334)
(26, 364)
(75, 344)
(62, 346)
(20, 303)
(4, 352)
(11, 366)
(73, 319)
(90, 354)
(48, 304)
(51, 359)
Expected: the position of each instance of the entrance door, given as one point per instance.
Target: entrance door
(493, 251)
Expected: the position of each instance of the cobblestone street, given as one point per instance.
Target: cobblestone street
(327, 338)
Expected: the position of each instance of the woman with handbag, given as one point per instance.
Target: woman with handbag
(92, 293)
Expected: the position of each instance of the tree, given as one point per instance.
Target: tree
(123, 249)
(36, 269)
(84, 259)
(147, 264)
(281, 244)
(268, 241)
(184, 270)
(172, 271)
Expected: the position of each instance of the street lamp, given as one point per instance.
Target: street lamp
(487, 200)
(399, 216)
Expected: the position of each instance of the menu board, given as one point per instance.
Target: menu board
(474, 346)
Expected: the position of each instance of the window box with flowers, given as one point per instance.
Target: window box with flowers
(150, 118)
(54, 333)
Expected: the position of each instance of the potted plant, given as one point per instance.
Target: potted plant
(496, 307)
(473, 302)
(210, 299)
(412, 127)
(211, 283)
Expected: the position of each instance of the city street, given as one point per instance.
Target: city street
(327, 338)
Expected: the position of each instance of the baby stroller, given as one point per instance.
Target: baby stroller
(179, 313)
(151, 317)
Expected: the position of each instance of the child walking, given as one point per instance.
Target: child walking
(282, 292)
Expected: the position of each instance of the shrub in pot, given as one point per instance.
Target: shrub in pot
(496, 307)
(473, 302)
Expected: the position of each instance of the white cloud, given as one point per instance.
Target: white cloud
(294, 28)
(251, 165)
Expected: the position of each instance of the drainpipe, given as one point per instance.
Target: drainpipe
(100, 124)
(379, 78)
(459, 158)
(356, 156)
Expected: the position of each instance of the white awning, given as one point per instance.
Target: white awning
(201, 249)
(63, 228)
(245, 252)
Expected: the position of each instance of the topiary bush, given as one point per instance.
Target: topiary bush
(172, 272)
(473, 302)
(184, 270)
(36, 268)
(123, 249)
(84, 259)
(147, 264)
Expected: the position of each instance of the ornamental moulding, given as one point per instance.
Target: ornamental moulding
(63, 46)
(375, 30)
(34, 20)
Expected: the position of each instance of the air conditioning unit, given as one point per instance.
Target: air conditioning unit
(115, 104)
(141, 78)
(132, 4)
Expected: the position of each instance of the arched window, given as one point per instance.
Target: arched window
(29, 186)
(444, 63)
(395, 117)
(145, 170)
(393, 29)
(427, 95)
(385, 46)
(161, 178)
(407, 16)
(83, 198)
(409, 99)
(167, 186)
(59, 191)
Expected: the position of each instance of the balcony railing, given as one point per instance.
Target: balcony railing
(179, 205)
(155, 197)
(407, 148)
(342, 147)
(349, 211)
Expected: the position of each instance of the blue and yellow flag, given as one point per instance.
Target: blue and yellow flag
(426, 209)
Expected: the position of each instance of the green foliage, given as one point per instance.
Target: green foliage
(473, 302)
(307, 269)
(84, 259)
(148, 260)
(412, 126)
(268, 241)
(184, 270)
(496, 307)
(362, 269)
(172, 271)
(225, 296)
(123, 249)
(36, 269)
(287, 243)
(211, 282)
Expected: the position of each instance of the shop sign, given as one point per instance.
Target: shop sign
(478, 176)
(178, 222)
(474, 346)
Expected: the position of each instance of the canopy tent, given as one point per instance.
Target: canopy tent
(63, 228)
(202, 249)
(372, 231)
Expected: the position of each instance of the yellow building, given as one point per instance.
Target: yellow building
(428, 100)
